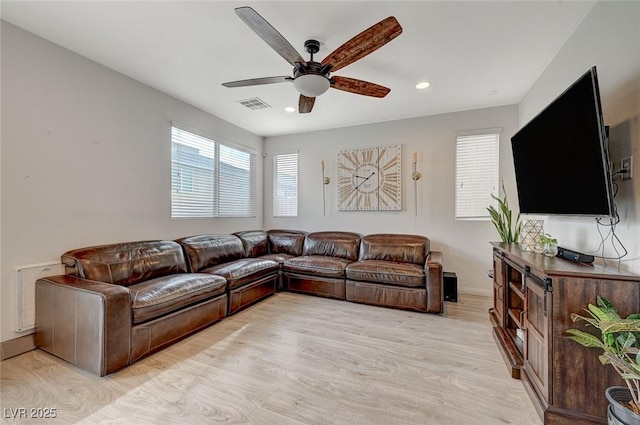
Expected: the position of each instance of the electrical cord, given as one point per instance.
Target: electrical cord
(611, 225)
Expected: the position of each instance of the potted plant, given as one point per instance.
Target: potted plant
(549, 245)
(619, 341)
(502, 219)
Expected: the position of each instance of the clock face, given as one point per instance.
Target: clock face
(369, 178)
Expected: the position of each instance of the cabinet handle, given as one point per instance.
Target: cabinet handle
(522, 315)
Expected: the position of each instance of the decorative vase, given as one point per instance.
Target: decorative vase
(550, 249)
(618, 398)
(531, 232)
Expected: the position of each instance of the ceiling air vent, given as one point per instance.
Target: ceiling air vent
(254, 103)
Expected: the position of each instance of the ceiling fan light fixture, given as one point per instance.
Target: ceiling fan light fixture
(311, 85)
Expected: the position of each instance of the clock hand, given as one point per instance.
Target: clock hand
(365, 179)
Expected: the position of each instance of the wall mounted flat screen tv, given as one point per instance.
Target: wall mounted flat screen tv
(561, 156)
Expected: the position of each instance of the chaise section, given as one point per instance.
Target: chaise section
(320, 270)
(248, 279)
(396, 271)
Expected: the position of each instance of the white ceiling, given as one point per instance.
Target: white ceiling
(476, 54)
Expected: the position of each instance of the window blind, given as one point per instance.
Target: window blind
(236, 183)
(477, 169)
(209, 179)
(285, 185)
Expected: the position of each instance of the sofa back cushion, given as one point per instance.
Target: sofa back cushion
(205, 251)
(332, 244)
(126, 263)
(399, 248)
(286, 241)
(254, 241)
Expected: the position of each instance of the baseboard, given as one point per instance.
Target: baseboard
(15, 347)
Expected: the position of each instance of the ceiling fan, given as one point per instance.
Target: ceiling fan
(312, 78)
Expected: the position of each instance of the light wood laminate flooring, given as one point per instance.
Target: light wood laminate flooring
(292, 360)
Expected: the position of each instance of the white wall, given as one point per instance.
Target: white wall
(609, 38)
(86, 159)
(465, 244)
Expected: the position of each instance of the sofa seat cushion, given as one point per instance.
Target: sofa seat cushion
(279, 258)
(388, 272)
(245, 270)
(318, 265)
(163, 295)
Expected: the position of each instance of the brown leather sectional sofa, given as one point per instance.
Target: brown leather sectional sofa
(119, 302)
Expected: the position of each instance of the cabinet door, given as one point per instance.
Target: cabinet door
(536, 324)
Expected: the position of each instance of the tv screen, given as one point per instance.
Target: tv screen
(561, 158)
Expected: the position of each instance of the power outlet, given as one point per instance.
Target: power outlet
(627, 165)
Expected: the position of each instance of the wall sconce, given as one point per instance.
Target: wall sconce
(325, 181)
(415, 176)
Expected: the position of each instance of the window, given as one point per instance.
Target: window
(476, 173)
(285, 185)
(210, 179)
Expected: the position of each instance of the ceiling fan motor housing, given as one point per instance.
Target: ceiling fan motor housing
(312, 79)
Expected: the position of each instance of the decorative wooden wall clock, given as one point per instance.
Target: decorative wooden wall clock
(369, 179)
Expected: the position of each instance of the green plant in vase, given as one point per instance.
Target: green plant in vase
(502, 219)
(619, 341)
(549, 245)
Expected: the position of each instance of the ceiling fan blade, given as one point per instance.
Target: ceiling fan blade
(257, 81)
(365, 88)
(269, 34)
(364, 43)
(305, 104)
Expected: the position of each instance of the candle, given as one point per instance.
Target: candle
(323, 165)
(415, 157)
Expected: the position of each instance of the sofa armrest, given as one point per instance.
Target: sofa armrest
(84, 322)
(435, 282)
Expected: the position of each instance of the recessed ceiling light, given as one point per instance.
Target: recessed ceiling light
(423, 85)
(290, 109)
